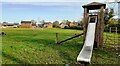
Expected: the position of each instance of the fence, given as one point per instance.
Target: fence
(111, 37)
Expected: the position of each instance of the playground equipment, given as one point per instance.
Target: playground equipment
(86, 52)
(93, 30)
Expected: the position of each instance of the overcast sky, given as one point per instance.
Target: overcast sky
(49, 10)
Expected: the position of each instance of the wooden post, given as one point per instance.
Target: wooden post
(116, 30)
(101, 27)
(56, 41)
(85, 22)
(110, 29)
(97, 36)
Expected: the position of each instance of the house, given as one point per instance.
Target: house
(71, 24)
(15, 25)
(9, 25)
(76, 23)
(12, 25)
(0, 25)
(26, 24)
(4, 24)
(62, 25)
(48, 25)
(34, 25)
(40, 25)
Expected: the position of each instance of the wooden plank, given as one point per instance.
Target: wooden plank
(70, 38)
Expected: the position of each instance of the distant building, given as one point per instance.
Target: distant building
(48, 25)
(4, 24)
(34, 26)
(71, 24)
(0, 25)
(9, 25)
(76, 23)
(62, 25)
(26, 24)
(40, 25)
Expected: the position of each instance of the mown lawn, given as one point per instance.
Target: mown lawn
(37, 46)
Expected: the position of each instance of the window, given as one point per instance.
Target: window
(92, 20)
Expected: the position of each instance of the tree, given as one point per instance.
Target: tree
(64, 21)
(33, 21)
(109, 13)
(80, 23)
(5, 23)
(119, 21)
(56, 24)
(68, 23)
(106, 16)
(113, 21)
(42, 21)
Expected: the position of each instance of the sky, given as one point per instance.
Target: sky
(48, 10)
(44, 11)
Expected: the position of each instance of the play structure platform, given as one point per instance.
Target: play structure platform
(93, 30)
(86, 52)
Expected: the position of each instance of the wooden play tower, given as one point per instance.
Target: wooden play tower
(98, 42)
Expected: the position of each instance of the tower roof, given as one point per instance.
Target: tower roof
(94, 5)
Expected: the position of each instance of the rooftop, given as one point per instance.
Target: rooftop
(26, 22)
(94, 5)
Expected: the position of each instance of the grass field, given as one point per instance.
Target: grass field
(37, 46)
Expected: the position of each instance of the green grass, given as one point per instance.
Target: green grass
(38, 47)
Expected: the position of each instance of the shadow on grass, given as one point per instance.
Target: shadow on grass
(64, 50)
(13, 58)
(103, 55)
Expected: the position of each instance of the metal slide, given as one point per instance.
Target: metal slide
(86, 52)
